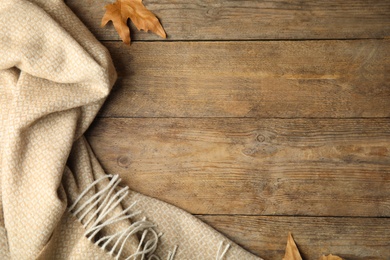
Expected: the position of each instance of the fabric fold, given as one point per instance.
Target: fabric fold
(56, 200)
(57, 89)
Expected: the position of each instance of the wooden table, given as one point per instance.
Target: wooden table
(260, 117)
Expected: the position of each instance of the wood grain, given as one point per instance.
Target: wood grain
(350, 238)
(251, 79)
(314, 167)
(252, 19)
(198, 134)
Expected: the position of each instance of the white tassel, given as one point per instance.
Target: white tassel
(221, 254)
(171, 255)
(103, 203)
(88, 189)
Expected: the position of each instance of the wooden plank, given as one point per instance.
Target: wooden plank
(251, 79)
(252, 19)
(315, 167)
(350, 238)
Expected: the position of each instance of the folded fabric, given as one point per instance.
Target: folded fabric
(56, 201)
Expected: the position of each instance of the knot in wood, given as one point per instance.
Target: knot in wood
(123, 161)
(260, 138)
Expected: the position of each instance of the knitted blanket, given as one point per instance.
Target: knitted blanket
(56, 201)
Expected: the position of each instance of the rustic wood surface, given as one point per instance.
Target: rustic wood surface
(350, 238)
(251, 79)
(252, 19)
(260, 117)
(316, 167)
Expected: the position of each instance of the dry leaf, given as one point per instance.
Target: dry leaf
(330, 257)
(122, 10)
(292, 252)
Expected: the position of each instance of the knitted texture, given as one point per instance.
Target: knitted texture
(56, 201)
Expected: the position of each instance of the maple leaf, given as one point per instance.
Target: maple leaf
(122, 10)
(292, 252)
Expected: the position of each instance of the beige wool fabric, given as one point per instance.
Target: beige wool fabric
(56, 201)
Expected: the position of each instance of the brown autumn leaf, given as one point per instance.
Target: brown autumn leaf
(292, 252)
(330, 257)
(122, 10)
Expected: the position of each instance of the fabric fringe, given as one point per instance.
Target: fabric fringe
(98, 212)
(221, 253)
